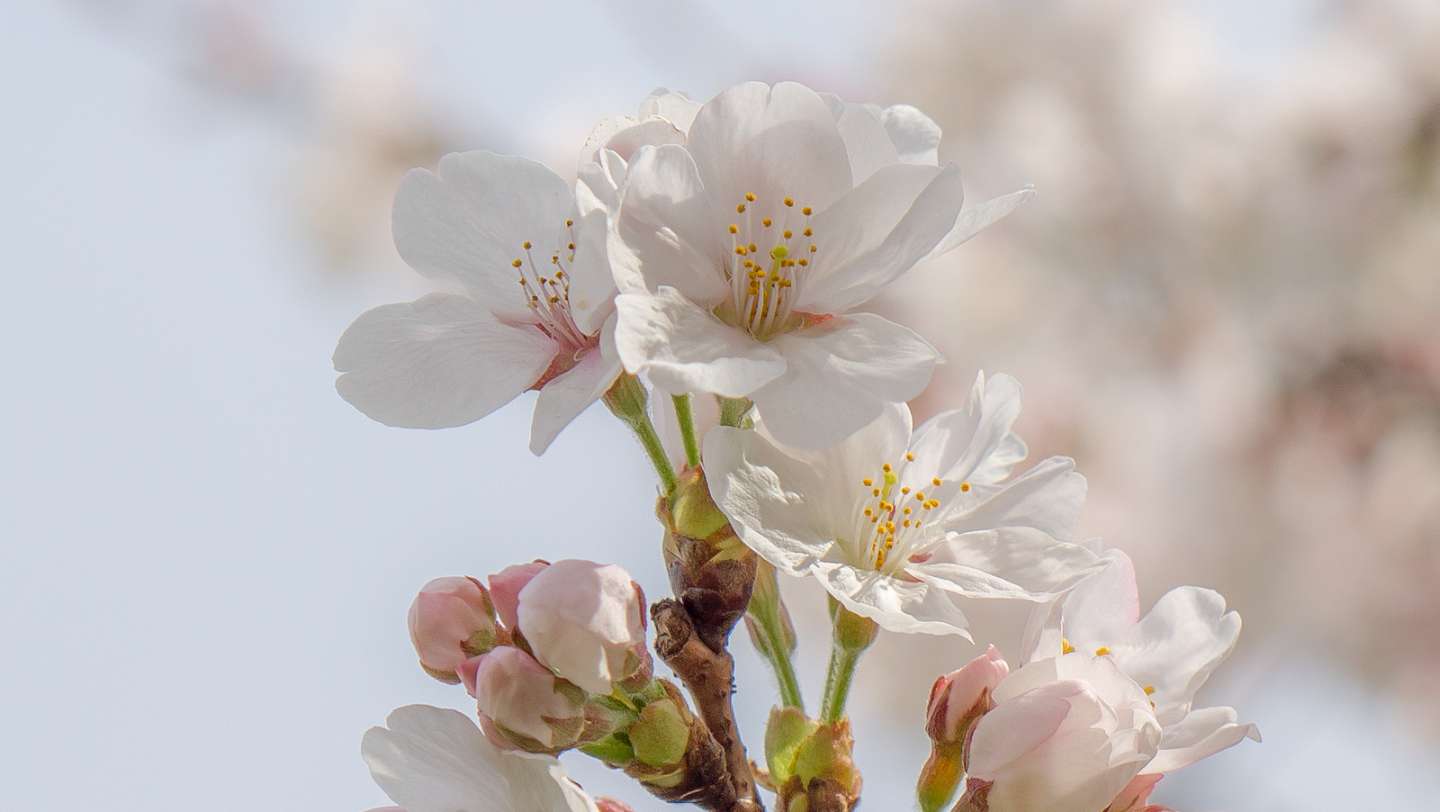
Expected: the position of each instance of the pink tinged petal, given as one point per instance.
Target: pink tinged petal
(963, 695)
(466, 222)
(667, 231)
(1047, 497)
(1202, 734)
(505, 587)
(773, 141)
(437, 362)
(867, 143)
(1014, 729)
(434, 760)
(974, 219)
(916, 136)
(774, 501)
(682, 347)
(592, 285)
(1013, 562)
(854, 365)
(565, 397)
(585, 621)
(896, 603)
(445, 618)
(975, 444)
(878, 232)
(521, 695)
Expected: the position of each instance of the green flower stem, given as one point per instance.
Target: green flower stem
(776, 651)
(733, 411)
(686, 418)
(626, 399)
(837, 683)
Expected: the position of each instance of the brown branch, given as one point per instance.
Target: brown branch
(709, 675)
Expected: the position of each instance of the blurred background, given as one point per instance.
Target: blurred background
(1224, 302)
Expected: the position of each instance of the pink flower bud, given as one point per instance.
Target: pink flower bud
(612, 805)
(586, 621)
(505, 587)
(960, 697)
(529, 707)
(451, 620)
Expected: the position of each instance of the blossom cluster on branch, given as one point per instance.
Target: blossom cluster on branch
(709, 271)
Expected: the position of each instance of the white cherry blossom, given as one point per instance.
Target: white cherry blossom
(741, 253)
(1066, 734)
(532, 306)
(1170, 653)
(904, 528)
(431, 759)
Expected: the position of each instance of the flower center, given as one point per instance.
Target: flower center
(894, 519)
(769, 253)
(548, 296)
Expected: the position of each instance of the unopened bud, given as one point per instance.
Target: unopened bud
(530, 707)
(451, 620)
(963, 696)
(661, 734)
(853, 633)
(586, 621)
(505, 587)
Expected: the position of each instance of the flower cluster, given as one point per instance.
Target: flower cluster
(724, 250)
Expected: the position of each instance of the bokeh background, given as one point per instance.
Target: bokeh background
(1224, 302)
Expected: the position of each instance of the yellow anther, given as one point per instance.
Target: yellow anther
(740, 250)
(516, 263)
(740, 209)
(1103, 651)
(806, 211)
(790, 201)
(766, 222)
(919, 496)
(813, 248)
(964, 487)
(906, 523)
(569, 223)
(789, 233)
(525, 245)
(570, 246)
(1065, 647)
(753, 248)
(750, 196)
(554, 300)
(809, 232)
(875, 492)
(804, 263)
(907, 511)
(1149, 689)
(734, 229)
(935, 482)
(559, 274)
(867, 482)
(885, 467)
(905, 489)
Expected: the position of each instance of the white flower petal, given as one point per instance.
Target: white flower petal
(466, 221)
(683, 348)
(975, 444)
(1008, 562)
(774, 502)
(915, 135)
(1202, 734)
(667, 232)
(592, 285)
(1047, 497)
(564, 398)
(437, 362)
(878, 232)
(898, 605)
(599, 183)
(671, 105)
(867, 144)
(975, 219)
(774, 142)
(838, 377)
(435, 760)
(625, 135)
